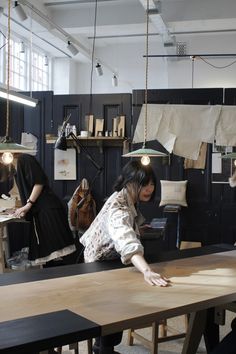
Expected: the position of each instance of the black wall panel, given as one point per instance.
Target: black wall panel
(104, 106)
(210, 215)
(200, 221)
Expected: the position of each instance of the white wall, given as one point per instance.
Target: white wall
(128, 62)
(205, 75)
(65, 76)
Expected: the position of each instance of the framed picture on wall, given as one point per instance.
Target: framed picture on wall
(221, 168)
(65, 164)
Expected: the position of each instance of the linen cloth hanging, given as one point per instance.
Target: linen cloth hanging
(181, 129)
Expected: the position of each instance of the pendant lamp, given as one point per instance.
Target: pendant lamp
(144, 153)
(7, 146)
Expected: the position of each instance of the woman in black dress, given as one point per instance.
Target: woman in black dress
(50, 235)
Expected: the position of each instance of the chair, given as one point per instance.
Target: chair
(75, 347)
(157, 327)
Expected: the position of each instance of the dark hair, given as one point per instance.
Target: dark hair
(134, 172)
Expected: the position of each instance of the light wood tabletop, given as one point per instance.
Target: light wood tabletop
(119, 299)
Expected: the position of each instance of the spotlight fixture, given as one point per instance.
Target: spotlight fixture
(20, 12)
(72, 48)
(114, 80)
(45, 60)
(99, 69)
(22, 47)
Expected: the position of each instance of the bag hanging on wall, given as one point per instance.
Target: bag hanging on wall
(81, 207)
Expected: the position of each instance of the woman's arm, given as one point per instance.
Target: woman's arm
(36, 191)
(150, 276)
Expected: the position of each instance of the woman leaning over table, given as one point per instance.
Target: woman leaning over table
(115, 232)
(50, 235)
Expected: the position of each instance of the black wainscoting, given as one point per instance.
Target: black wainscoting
(209, 217)
(201, 221)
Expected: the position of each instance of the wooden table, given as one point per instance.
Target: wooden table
(4, 220)
(52, 307)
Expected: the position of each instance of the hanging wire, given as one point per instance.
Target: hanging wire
(31, 56)
(192, 61)
(215, 66)
(5, 38)
(92, 58)
(8, 67)
(146, 77)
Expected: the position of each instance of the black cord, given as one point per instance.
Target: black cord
(88, 155)
(3, 46)
(215, 66)
(92, 59)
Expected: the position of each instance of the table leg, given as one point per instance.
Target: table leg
(2, 258)
(195, 331)
(212, 331)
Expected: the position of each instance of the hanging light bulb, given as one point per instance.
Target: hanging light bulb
(7, 157)
(145, 160)
(144, 153)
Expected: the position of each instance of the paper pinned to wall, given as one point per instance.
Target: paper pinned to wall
(216, 162)
(65, 164)
(29, 140)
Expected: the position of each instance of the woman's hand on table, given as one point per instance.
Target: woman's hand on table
(21, 212)
(154, 278)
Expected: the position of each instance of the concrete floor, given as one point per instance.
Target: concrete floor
(170, 347)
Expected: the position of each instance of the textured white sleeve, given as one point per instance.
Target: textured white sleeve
(121, 229)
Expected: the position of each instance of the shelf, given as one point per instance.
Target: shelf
(91, 141)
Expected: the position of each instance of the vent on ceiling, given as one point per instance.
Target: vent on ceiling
(181, 48)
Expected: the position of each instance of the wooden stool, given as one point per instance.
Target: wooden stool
(75, 347)
(155, 338)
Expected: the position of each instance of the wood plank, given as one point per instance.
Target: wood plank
(84, 268)
(120, 299)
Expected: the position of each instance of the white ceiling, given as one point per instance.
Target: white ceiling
(54, 22)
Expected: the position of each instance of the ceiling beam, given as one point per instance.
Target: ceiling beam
(60, 33)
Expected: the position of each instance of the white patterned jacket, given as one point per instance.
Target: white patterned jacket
(114, 232)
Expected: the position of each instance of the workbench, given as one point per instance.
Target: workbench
(51, 307)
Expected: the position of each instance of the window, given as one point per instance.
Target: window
(3, 42)
(25, 74)
(40, 72)
(18, 67)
